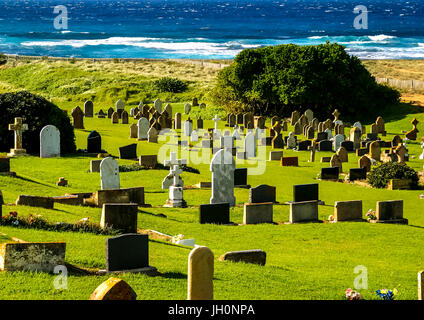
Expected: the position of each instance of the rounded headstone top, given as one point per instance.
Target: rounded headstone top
(119, 104)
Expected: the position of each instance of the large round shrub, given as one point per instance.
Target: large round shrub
(380, 176)
(37, 112)
(276, 80)
(168, 84)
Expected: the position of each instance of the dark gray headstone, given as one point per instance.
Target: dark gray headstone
(325, 145)
(4, 164)
(348, 145)
(331, 173)
(127, 251)
(128, 152)
(303, 145)
(262, 193)
(322, 136)
(372, 136)
(94, 142)
(217, 213)
(305, 192)
(358, 174)
(240, 177)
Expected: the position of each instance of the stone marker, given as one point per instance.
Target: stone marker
(115, 117)
(262, 193)
(18, 127)
(120, 216)
(4, 165)
(306, 211)
(133, 131)
(109, 174)
(375, 151)
(113, 289)
(364, 161)
(390, 211)
(94, 142)
(240, 177)
(124, 117)
(421, 285)
(222, 168)
(348, 210)
(158, 105)
(275, 155)
(255, 213)
(217, 213)
(357, 174)
(152, 135)
(95, 165)
(32, 256)
(289, 161)
(110, 111)
(128, 253)
(246, 256)
(143, 128)
(128, 152)
(35, 201)
(78, 117)
(200, 274)
(331, 173)
(119, 107)
(88, 109)
(149, 161)
(49, 142)
(305, 192)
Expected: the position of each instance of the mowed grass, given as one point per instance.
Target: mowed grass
(304, 261)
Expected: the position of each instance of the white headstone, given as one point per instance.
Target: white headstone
(194, 136)
(291, 141)
(338, 139)
(171, 179)
(132, 112)
(339, 122)
(250, 145)
(187, 108)
(158, 105)
(329, 133)
(119, 105)
(109, 174)
(143, 128)
(422, 154)
(49, 142)
(236, 133)
(358, 125)
(227, 142)
(222, 168)
(188, 128)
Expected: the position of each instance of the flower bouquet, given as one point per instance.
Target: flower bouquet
(386, 294)
(352, 295)
(371, 215)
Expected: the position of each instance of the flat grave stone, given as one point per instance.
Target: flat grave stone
(305, 192)
(120, 216)
(255, 213)
(305, 211)
(289, 161)
(262, 193)
(348, 210)
(128, 152)
(331, 173)
(217, 213)
(357, 174)
(246, 256)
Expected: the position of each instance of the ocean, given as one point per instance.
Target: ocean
(208, 29)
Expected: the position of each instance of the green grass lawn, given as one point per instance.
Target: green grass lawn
(304, 261)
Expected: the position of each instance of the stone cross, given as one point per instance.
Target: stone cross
(176, 171)
(216, 119)
(19, 128)
(173, 178)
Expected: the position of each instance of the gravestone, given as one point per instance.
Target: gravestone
(357, 174)
(222, 168)
(255, 213)
(4, 165)
(240, 177)
(120, 216)
(158, 105)
(246, 256)
(291, 141)
(110, 111)
(355, 137)
(109, 174)
(78, 118)
(275, 155)
(88, 109)
(94, 142)
(289, 161)
(348, 145)
(305, 192)
(95, 165)
(305, 211)
(152, 135)
(128, 152)
(380, 126)
(364, 161)
(149, 161)
(304, 145)
(124, 117)
(187, 108)
(200, 274)
(133, 131)
(348, 210)
(119, 107)
(309, 114)
(168, 109)
(250, 147)
(113, 289)
(338, 139)
(49, 142)
(331, 173)
(188, 128)
(200, 123)
(375, 150)
(262, 193)
(390, 211)
(343, 155)
(195, 102)
(325, 145)
(127, 252)
(217, 213)
(101, 114)
(115, 117)
(336, 162)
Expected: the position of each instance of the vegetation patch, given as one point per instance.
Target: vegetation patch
(380, 176)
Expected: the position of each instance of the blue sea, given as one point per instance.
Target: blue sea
(207, 29)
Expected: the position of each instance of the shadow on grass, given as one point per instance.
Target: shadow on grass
(33, 181)
(174, 275)
(171, 244)
(397, 112)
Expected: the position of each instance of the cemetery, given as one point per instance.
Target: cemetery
(176, 198)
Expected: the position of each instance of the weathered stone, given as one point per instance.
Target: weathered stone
(149, 161)
(348, 210)
(95, 165)
(306, 211)
(331, 173)
(35, 201)
(262, 193)
(32, 256)
(113, 289)
(246, 256)
(255, 213)
(357, 174)
(390, 210)
(200, 274)
(289, 161)
(129, 195)
(120, 216)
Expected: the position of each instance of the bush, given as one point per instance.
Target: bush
(380, 176)
(167, 84)
(37, 112)
(277, 80)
